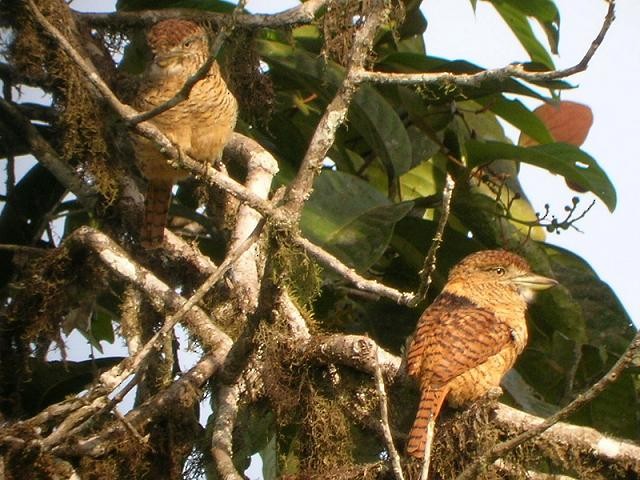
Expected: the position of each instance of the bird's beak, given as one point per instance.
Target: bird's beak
(165, 59)
(534, 282)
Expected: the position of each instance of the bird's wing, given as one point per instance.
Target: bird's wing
(452, 337)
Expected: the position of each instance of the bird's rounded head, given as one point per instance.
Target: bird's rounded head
(499, 269)
(174, 40)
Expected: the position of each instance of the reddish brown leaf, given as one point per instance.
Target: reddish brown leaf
(568, 122)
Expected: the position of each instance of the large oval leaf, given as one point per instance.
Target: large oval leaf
(351, 219)
(379, 124)
(560, 158)
(514, 112)
(568, 122)
(519, 25)
(560, 365)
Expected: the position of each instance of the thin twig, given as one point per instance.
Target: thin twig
(503, 73)
(324, 257)
(430, 260)
(384, 421)
(102, 443)
(500, 449)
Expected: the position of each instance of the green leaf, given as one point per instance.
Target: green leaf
(269, 456)
(479, 123)
(608, 323)
(257, 435)
(351, 219)
(430, 118)
(514, 112)
(519, 25)
(381, 127)
(484, 124)
(414, 24)
(615, 411)
(424, 180)
(542, 10)
(300, 67)
(546, 13)
(309, 38)
(561, 366)
(552, 32)
(560, 158)
(521, 213)
(411, 240)
(412, 44)
(101, 326)
(423, 147)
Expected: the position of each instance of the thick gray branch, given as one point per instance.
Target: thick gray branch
(586, 439)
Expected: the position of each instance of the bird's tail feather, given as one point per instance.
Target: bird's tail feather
(431, 401)
(156, 210)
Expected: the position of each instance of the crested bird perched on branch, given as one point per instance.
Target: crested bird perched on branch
(199, 126)
(470, 336)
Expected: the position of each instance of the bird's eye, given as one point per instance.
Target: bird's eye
(499, 271)
(187, 43)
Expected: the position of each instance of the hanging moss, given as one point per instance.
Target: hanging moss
(51, 286)
(298, 274)
(81, 115)
(249, 84)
